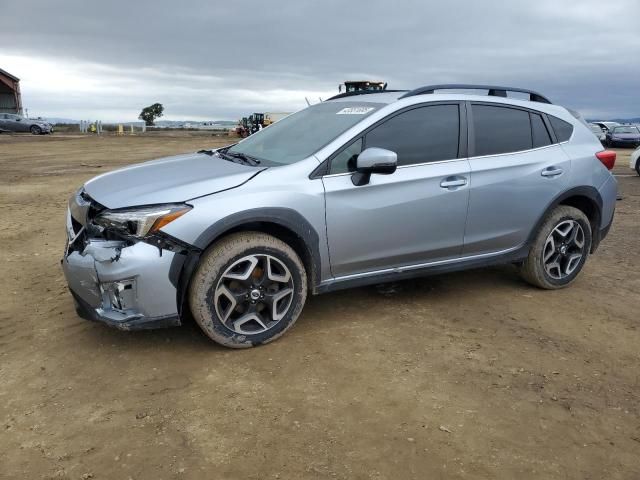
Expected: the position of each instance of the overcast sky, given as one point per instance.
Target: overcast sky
(220, 60)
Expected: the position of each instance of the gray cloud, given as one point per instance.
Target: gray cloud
(220, 60)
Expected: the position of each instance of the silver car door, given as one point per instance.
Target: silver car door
(413, 216)
(516, 171)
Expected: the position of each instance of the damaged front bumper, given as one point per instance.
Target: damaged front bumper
(125, 286)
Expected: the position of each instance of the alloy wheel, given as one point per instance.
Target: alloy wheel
(254, 294)
(563, 250)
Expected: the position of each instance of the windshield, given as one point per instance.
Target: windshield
(304, 133)
(626, 130)
(595, 128)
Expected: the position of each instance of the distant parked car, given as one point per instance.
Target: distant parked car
(607, 126)
(635, 160)
(623, 136)
(17, 123)
(598, 132)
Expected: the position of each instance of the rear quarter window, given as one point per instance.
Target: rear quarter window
(563, 129)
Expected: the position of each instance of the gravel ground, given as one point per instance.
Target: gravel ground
(467, 375)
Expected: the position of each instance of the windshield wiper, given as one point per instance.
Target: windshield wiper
(207, 152)
(246, 159)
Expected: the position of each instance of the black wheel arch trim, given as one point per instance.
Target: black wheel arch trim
(585, 191)
(514, 257)
(183, 265)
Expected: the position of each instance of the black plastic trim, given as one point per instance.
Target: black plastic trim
(183, 266)
(602, 234)
(552, 132)
(471, 133)
(320, 171)
(589, 192)
(86, 311)
(512, 257)
(493, 90)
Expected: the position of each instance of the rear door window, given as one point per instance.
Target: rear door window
(500, 130)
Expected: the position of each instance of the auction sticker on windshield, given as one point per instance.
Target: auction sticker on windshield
(355, 111)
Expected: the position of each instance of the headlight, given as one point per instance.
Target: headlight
(140, 222)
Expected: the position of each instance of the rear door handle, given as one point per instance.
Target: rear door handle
(452, 182)
(551, 172)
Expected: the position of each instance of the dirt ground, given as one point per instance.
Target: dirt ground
(467, 375)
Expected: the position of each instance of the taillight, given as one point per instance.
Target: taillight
(607, 157)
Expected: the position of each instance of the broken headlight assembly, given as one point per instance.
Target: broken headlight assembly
(141, 222)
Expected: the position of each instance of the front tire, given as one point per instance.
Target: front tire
(35, 130)
(248, 289)
(559, 250)
(638, 166)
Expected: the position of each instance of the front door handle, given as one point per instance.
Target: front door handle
(452, 182)
(551, 172)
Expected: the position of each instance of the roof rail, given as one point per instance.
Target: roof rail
(494, 91)
(363, 92)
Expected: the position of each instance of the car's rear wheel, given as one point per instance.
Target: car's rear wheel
(36, 130)
(638, 166)
(559, 250)
(249, 289)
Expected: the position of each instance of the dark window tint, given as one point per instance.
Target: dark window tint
(424, 134)
(563, 129)
(345, 161)
(539, 131)
(500, 130)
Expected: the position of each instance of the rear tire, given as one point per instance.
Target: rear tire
(638, 166)
(560, 249)
(248, 289)
(35, 130)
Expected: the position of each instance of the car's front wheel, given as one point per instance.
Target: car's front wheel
(560, 249)
(248, 289)
(36, 130)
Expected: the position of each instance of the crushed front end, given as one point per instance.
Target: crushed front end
(118, 274)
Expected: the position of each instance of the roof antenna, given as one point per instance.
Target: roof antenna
(307, 100)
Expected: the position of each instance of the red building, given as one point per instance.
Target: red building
(10, 99)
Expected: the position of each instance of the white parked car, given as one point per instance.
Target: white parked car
(598, 131)
(635, 160)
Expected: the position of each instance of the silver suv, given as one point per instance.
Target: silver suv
(361, 189)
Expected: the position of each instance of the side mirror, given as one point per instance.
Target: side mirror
(374, 160)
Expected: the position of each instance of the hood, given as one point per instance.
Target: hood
(169, 180)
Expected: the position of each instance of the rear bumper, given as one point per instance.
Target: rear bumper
(609, 194)
(126, 287)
